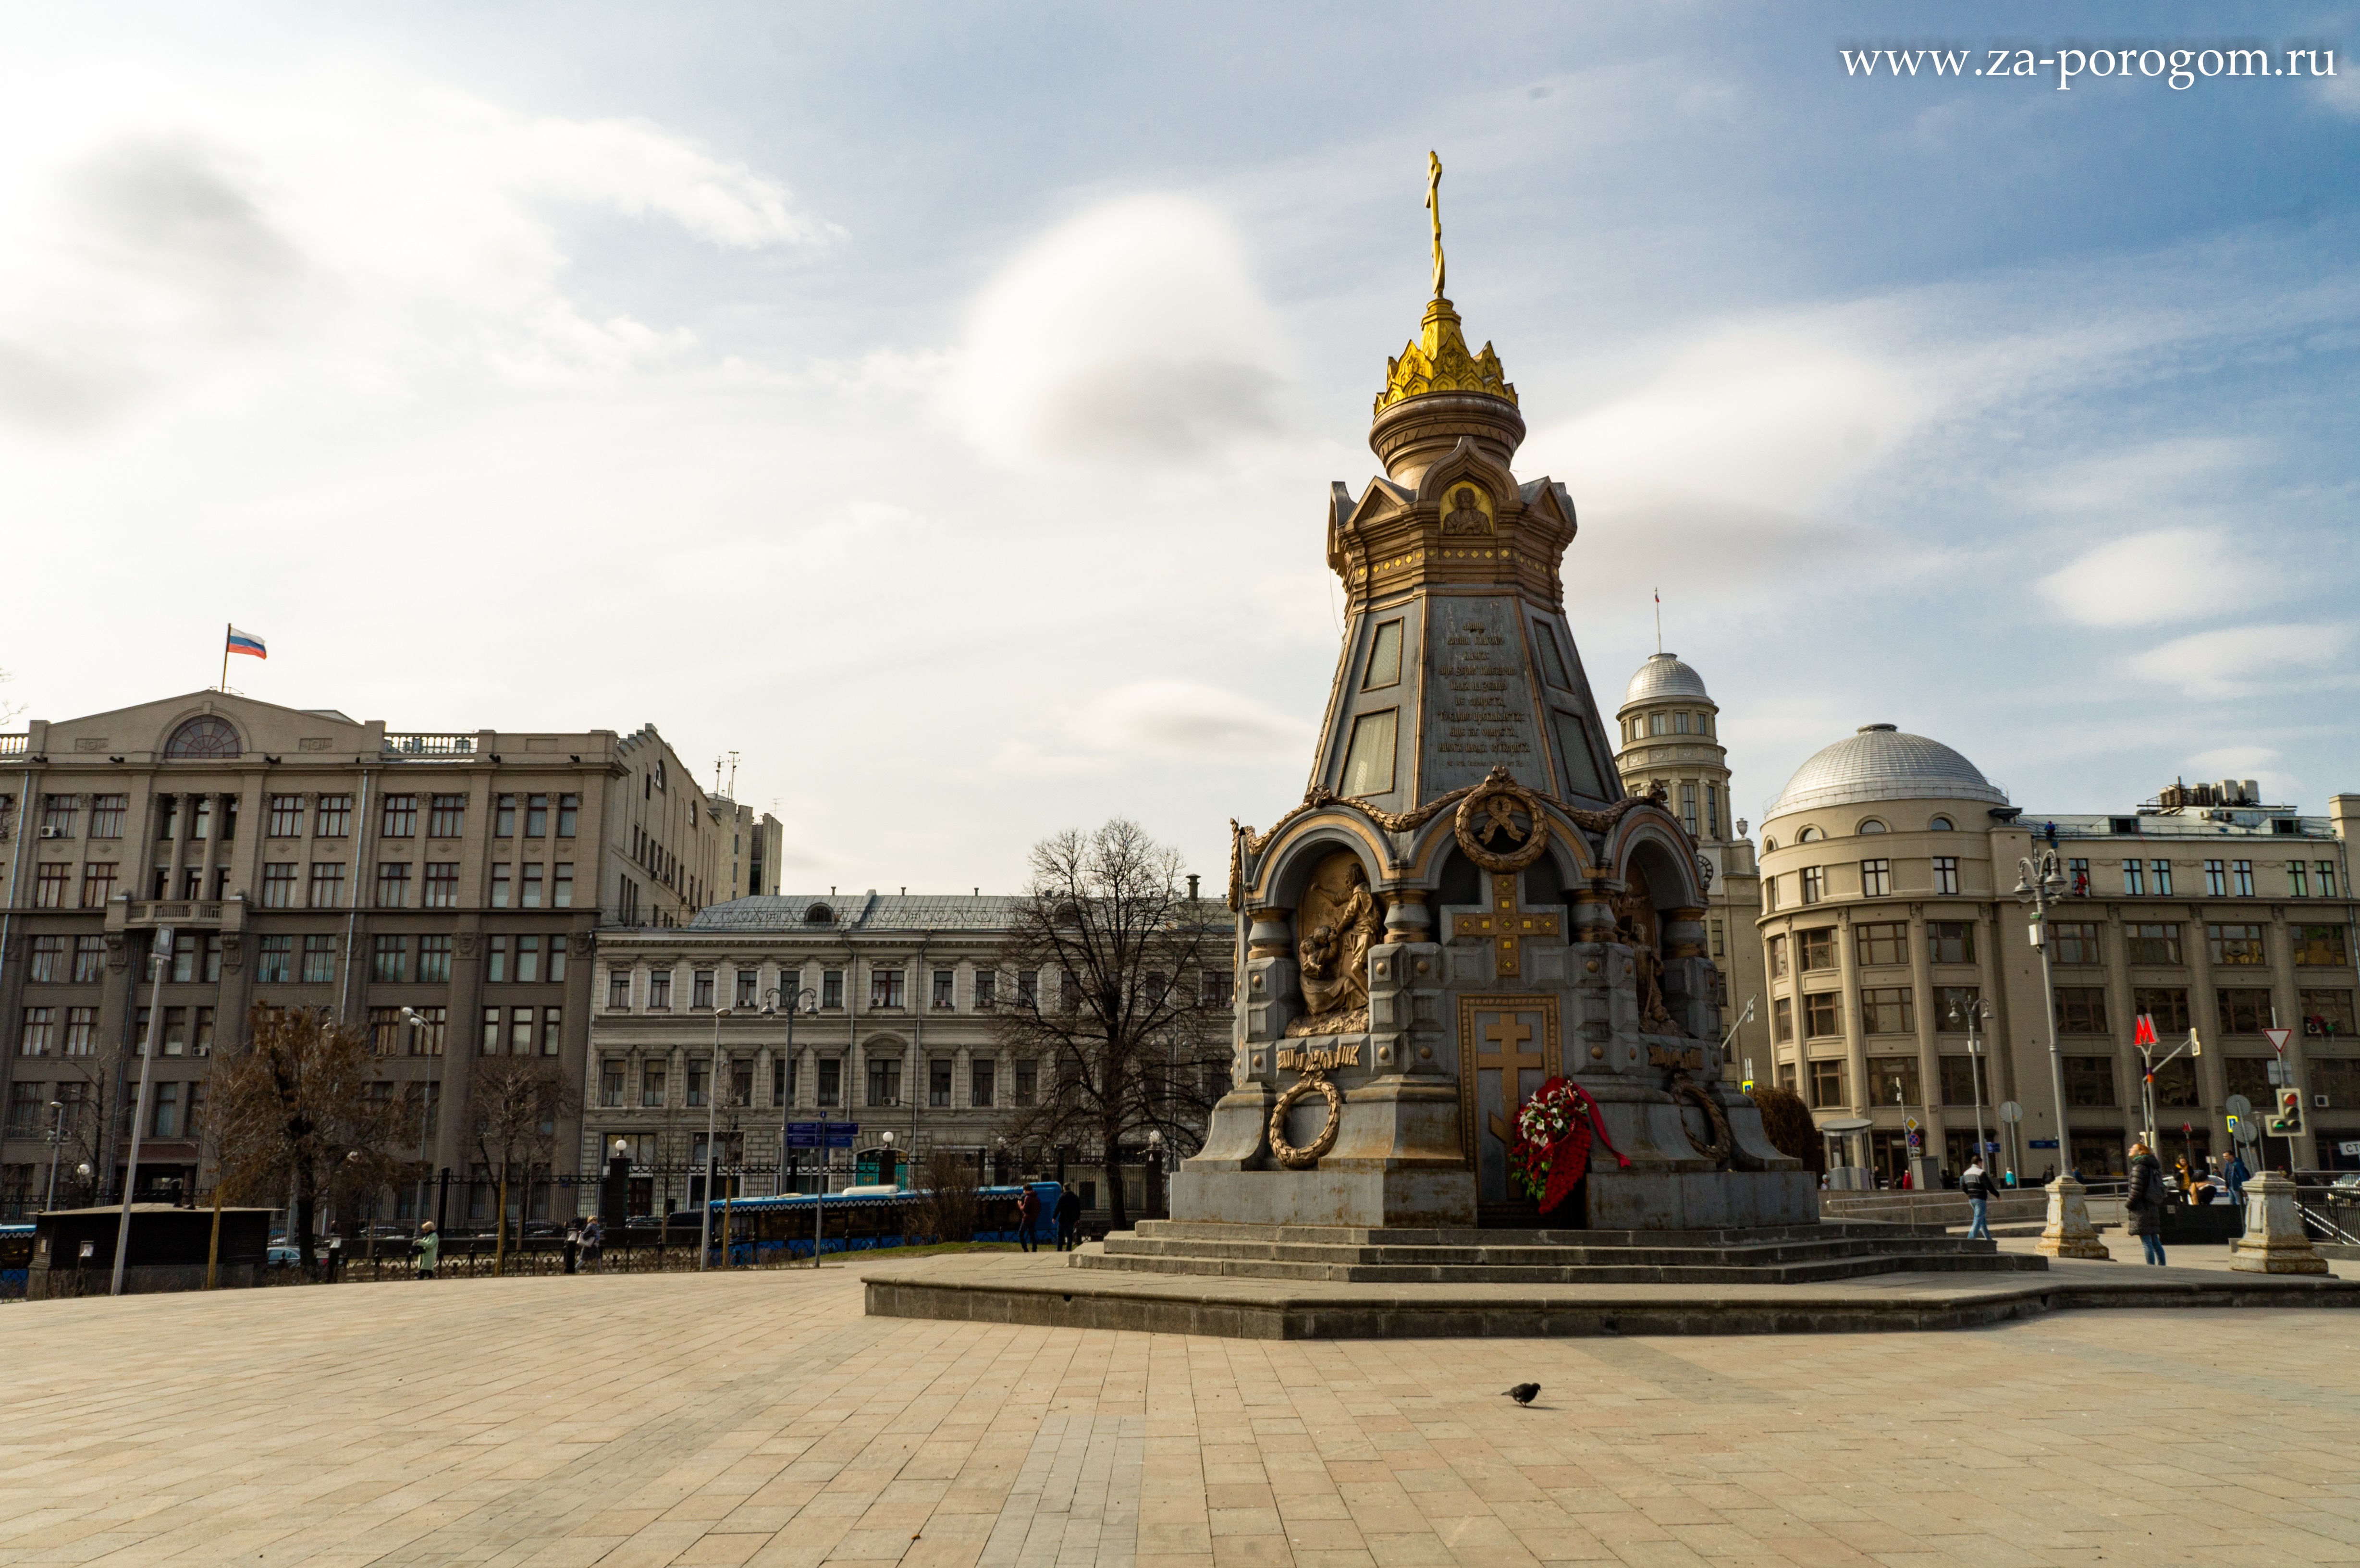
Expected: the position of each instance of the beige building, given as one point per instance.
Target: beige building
(1889, 866)
(1671, 732)
(899, 1040)
(309, 859)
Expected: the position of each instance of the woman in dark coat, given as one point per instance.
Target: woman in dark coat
(2143, 1203)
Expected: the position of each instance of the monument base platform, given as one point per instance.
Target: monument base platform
(1043, 1290)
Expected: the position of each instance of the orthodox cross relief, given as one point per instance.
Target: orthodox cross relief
(1506, 926)
(1507, 1036)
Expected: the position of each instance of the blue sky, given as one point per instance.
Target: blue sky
(935, 405)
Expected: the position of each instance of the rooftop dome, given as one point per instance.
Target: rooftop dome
(1663, 676)
(1880, 763)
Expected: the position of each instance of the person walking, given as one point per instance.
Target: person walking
(2143, 1203)
(1069, 1218)
(2237, 1175)
(1027, 1220)
(428, 1250)
(1976, 1183)
(594, 1244)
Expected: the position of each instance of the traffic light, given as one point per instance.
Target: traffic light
(2287, 1123)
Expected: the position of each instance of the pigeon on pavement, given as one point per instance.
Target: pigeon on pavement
(1522, 1393)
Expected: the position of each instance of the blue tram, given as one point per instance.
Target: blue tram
(765, 1229)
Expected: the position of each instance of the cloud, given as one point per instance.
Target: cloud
(2239, 661)
(1133, 333)
(1178, 721)
(2170, 575)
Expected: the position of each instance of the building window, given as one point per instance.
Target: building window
(2325, 1014)
(2134, 878)
(660, 988)
(1876, 878)
(987, 988)
(536, 816)
(496, 961)
(2319, 946)
(427, 1035)
(2243, 1009)
(2167, 1005)
(2298, 879)
(557, 958)
(533, 888)
(320, 960)
(90, 959)
(2241, 878)
(400, 817)
(748, 988)
(1720, 943)
(783, 1080)
(279, 885)
(327, 886)
(201, 1033)
(184, 957)
(944, 979)
(434, 960)
(520, 1031)
(1893, 1080)
(286, 817)
(2081, 1009)
(1827, 1084)
(561, 885)
(500, 886)
(830, 1092)
(57, 816)
(1884, 941)
(1945, 874)
(1712, 811)
(2154, 943)
(1369, 759)
(385, 1029)
(389, 960)
(552, 1030)
(1782, 1020)
(49, 959)
(885, 988)
(49, 885)
(527, 964)
(652, 1084)
(2088, 1080)
(1954, 1005)
(884, 1081)
(618, 987)
(274, 957)
(82, 1029)
(1028, 988)
(97, 884)
(106, 815)
(610, 1083)
(334, 817)
(2077, 875)
(2236, 945)
(979, 1083)
(938, 1084)
(2159, 875)
(1817, 946)
(1887, 1010)
(1689, 805)
(36, 1037)
(2074, 942)
(2326, 869)
(700, 990)
(393, 884)
(2216, 880)
(1820, 1012)
(1777, 958)
(441, 885)
(1028, 1084)
(1770, 893)
(504, 816)
(167, 1112)
(1950, 941)
(569, 811)
(1815, 884)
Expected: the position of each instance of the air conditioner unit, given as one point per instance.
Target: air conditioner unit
(56, 832)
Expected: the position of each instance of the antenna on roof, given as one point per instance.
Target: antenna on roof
(1659, 620)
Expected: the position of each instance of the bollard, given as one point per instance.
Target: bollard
(2069, 1233)
(2275, 1241)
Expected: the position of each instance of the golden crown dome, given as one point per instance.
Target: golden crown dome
(1438, 361)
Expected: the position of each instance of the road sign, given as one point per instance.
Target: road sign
(2185, 1129)
(1909, 1122)
(2012, 1112)
(2043, 1142)
(2348, 1146)
(1991, 1147)
(2277, 1071)
(2238, 1105)
(1912, 1139)
(2143, 1032)
(821, 1134)
(2234, 1123)
(2278, 1038)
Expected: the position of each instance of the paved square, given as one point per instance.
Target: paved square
(760, 1419)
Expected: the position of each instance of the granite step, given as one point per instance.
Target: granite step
(1774, 1251)
(1698, 1271)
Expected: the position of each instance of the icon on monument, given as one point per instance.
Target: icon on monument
(1469, 511)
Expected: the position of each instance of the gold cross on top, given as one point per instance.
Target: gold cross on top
(1505, 925)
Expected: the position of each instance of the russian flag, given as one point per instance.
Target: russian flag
(245, 642)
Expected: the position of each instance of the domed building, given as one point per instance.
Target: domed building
(1669, 725)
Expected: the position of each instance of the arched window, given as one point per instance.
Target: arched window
(1870, 825)
(818, 915)
(1940, 824)
(1809, 835)
(205, 739)
(1768, 843)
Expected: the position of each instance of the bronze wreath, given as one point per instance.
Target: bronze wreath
(1303, 1158)
(1684, 1088)
(1535, 842)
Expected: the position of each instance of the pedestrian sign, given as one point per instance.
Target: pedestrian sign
(2278, 1038)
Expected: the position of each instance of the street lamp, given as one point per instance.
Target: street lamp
(2037, 882)
(1972, 1013)
(711, 1097)
(57, 1142)
(425, 1092)
(159, 955)
(805, 1001)
(2192, 1045)
(888, 1171)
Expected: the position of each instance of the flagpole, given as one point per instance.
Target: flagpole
(224, 679)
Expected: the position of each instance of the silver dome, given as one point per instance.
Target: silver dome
(1880, 763)
(1663, 676)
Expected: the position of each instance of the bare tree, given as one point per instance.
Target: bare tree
(294, 1111)
(1129, 1019)
(515, 1104)
(946, 1207)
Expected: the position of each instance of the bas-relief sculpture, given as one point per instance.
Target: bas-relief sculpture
(1419, 964)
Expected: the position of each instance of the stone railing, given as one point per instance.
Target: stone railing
(429, 746)
(16, 744)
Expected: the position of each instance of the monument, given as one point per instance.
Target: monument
(1467, 909)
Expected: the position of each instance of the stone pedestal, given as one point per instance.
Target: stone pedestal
(2069, 1233)
(2275, 1241)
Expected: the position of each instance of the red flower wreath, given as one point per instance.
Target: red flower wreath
(1553, 1135)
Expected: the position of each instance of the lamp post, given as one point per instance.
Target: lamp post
(1972, 1013)
(712, 1094)
(888, 1172)
(805, 1000)
(57, 1142)
(2038, 881)
(158, 954)
(2146, 1078)
(425, 1094)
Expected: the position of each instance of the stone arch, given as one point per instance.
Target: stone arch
(1290, 866)
(1653, 858)
(207, 737)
